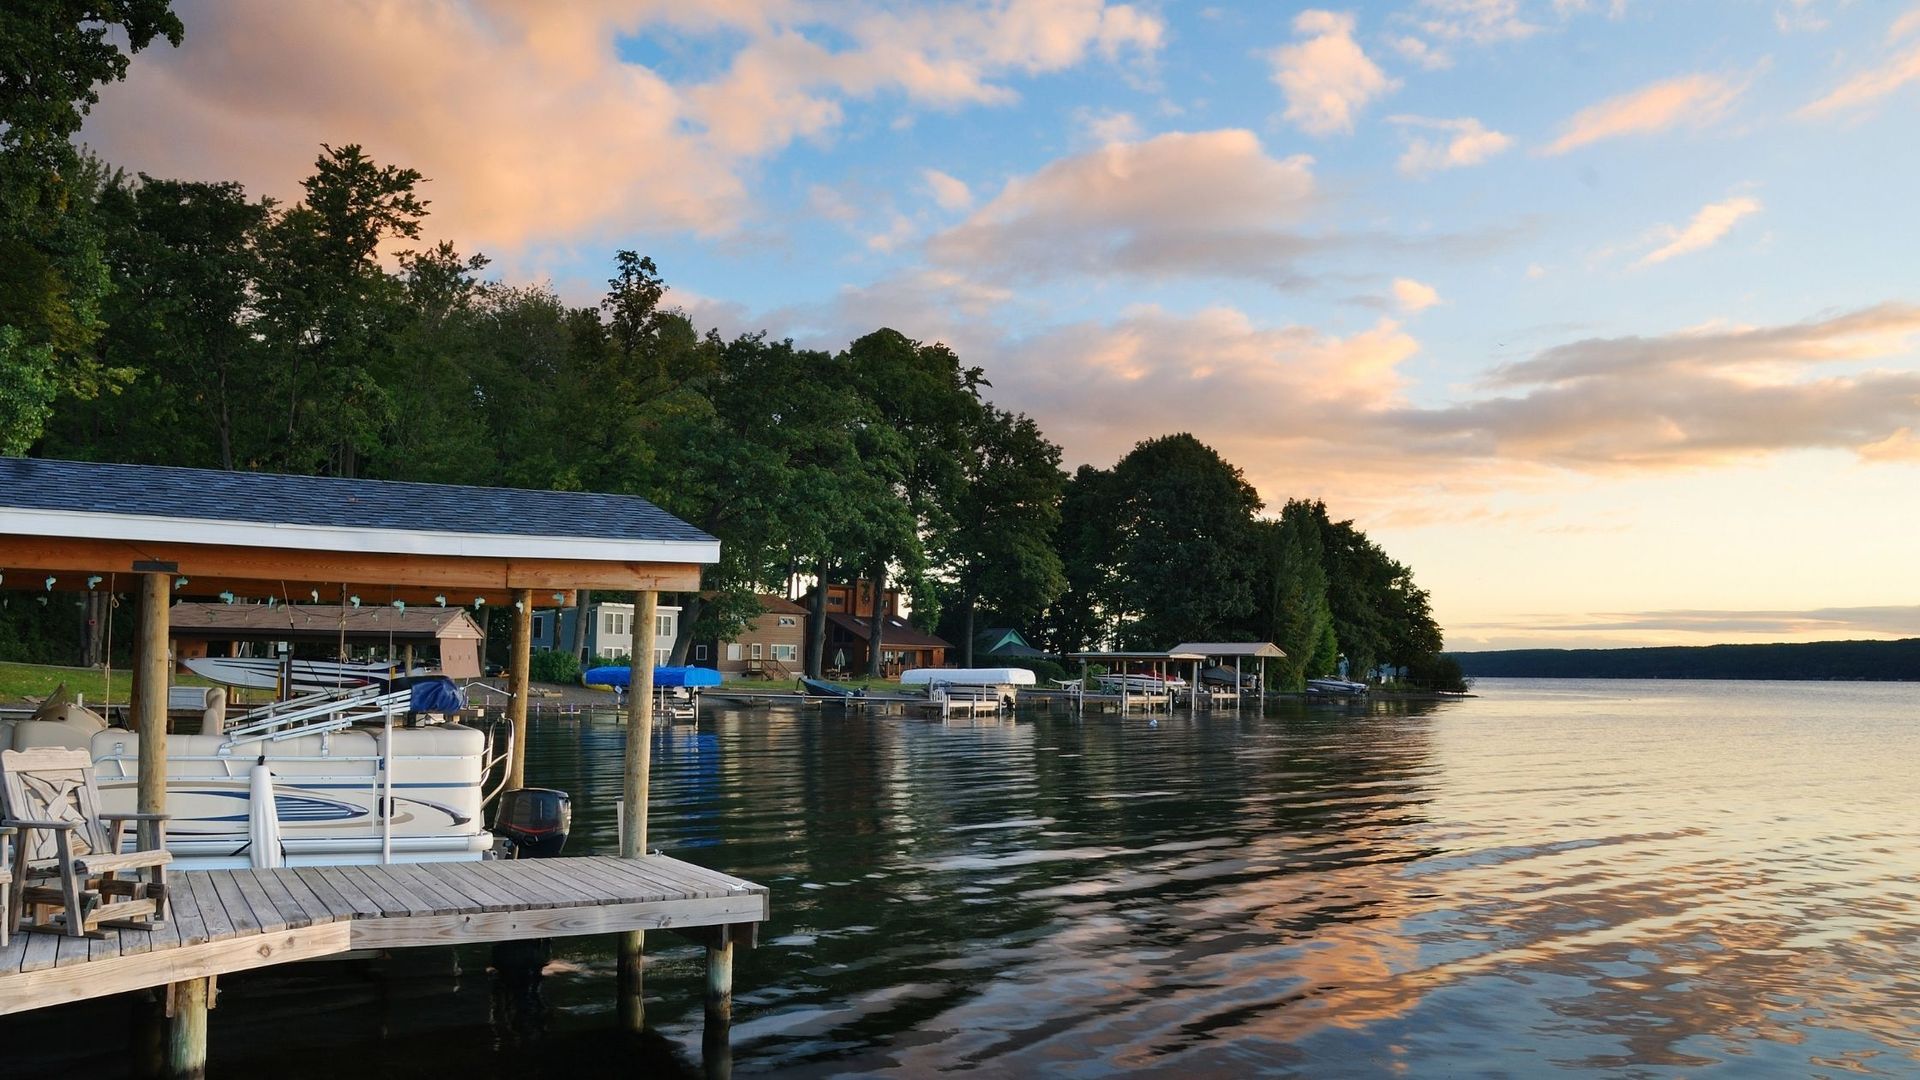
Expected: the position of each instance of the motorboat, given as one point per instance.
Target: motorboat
(336, 758)
(1336, 688)
(304, 676)
(1003, 684)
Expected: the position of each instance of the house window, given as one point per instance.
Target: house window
(699, 652)
(786, 653)
(661, 656)
(788, 620)
(733, 650)
(615, 623)
(836, 600)
(663, 626)
(539, 626)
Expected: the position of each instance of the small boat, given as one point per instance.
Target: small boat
(820, 688)
(1142, 684)
(309, 676)
(1336, 688)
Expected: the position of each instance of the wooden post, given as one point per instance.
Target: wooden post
(639, 765)
(716, 1042)
(517, 661)
(406, 661)
(1237, 691)
(187, 1030)
(150, 697)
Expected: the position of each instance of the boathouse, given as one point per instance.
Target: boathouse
(161, 534)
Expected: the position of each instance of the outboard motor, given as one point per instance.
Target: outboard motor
(534, 822)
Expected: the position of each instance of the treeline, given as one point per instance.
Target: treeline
(1850, 660)
(162, 321)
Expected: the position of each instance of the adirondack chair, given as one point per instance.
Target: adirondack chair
(67, 855)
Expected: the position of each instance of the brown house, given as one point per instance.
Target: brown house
(770, 647)
(849, 611)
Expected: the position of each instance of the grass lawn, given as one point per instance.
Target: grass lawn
(18, 682)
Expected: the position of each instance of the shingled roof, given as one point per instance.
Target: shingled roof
(284, 622)
(155, 502)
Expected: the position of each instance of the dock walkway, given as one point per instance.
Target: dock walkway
(223, 921)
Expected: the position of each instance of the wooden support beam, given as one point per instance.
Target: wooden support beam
(187, 1029)
(89, 556)
(639, 766)
(297, 593)
(150, 675)
(518, 659)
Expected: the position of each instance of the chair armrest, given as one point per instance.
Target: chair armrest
(28, 823)
(136, 817)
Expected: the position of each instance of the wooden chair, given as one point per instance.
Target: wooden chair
(67, 855)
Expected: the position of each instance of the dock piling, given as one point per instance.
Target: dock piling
(187, 1029)
(716, 1039)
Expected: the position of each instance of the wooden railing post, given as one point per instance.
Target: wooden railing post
(716, 1041)
(517, 661)
(639, 765)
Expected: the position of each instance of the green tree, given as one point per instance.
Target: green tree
(1183, 543)
(929, 403)
(54, 56)
(1002, 549)
(1076, 620)
(1292, 609)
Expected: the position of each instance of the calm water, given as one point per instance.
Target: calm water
(1591, 878)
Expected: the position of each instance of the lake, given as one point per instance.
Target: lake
(1584, 878)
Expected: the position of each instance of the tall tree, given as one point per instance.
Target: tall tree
(54, 56)
(1292, 609)
(1077, 620)
(1001, 551)
(1183, 541)
(929, 401)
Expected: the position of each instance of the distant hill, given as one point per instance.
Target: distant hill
(1851, 660)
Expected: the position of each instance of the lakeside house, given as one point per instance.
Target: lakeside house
(849, 614)
(770, 646)
(609, 630)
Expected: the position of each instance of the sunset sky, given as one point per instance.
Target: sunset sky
(1604, 315)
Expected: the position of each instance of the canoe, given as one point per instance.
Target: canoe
(827, 689)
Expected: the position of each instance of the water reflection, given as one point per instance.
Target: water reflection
(1604, 879)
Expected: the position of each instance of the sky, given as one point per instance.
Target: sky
(1602, 315)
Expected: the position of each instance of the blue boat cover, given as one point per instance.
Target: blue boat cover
(622, 676)
(437, 694)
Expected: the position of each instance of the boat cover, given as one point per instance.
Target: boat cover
(997, 676)
(436, 694)
(622, 676)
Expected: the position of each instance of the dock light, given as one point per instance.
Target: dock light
(558, 597)
(354, 600)
(315, 593)
(479, 602)
(94, 580)
(226, 597)
(50, 582)
(518, 606)
(271, 601)
(179, 581)
(441, 600)
(402, 605)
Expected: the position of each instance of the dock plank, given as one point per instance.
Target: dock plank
(316, 909)
(409, 901)
(392, 903)
(445, 900)
(246, 921)
(349, 890)
(213, 913)
(272, 889)
(192, 929)
(40, 951)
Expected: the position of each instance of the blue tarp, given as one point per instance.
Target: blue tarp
(437, 694)
(622, 676)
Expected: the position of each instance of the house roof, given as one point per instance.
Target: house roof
(157, 503)
(899, 631)
(1255, 649)
(287, 622)
(779, 605)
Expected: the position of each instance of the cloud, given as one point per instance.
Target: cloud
(1326, 78)
(1420, 52)
(533, 128)
(1413, 295)
(1465, 141)
(1709, 224)
(1871, 85)
(947, 191)
(1479, 22)
(1828, 622)
(1108, 126)
(1203, 202)
(1693, 100)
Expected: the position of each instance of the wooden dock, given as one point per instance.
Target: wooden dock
(223, 921)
